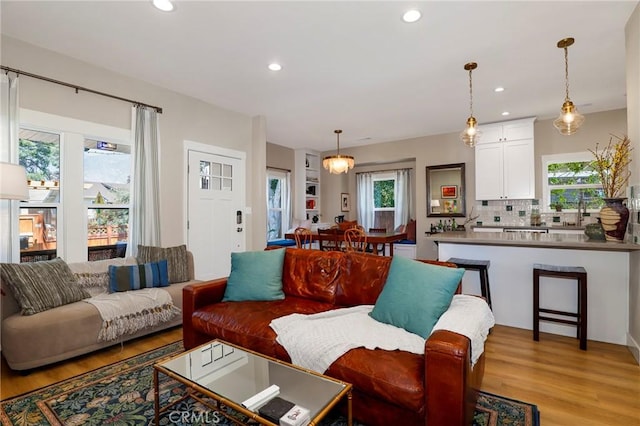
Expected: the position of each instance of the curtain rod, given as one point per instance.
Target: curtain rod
(77, 88)
(278, 169)
(387, 170)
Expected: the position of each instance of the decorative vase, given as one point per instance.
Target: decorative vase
(594, 231)
(614, 217)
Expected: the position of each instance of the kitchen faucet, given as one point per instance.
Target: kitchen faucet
(582, 209)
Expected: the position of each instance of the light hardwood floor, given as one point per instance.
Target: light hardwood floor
(570, 387)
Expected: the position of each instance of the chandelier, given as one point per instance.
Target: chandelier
(570, 119)
(470, 134)
(337, 164)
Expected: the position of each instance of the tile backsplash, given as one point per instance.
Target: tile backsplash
(518, 213)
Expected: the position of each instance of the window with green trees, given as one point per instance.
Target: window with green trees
(570, 178)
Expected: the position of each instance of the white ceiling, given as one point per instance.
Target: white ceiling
(349, 65)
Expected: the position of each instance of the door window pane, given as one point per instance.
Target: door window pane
(39, 153)
(107, 226)
(38, 233)
(107, 173)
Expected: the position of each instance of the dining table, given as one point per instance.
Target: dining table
(374, 238)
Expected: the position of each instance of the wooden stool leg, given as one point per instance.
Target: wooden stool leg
(486, 290)
(582, 290)
(536, 305)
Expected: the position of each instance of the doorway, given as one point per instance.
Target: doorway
(215, 208)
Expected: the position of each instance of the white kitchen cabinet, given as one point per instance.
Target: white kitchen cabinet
(505, 161)
(506, 131)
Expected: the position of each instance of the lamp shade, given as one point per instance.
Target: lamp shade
(13, 182)
(337, 164)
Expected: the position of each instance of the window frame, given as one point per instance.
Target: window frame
(285, 196)
(568, 157)
(72, 213)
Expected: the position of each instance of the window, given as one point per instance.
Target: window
(79, 188)
(278, 196)
(39, 153)
(569, 178)
(106, 192)
(384, 190)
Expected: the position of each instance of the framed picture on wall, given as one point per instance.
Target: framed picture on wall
(345, 202)
(449, 191)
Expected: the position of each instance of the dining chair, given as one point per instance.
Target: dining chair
(355, 239)
(379, 249)
(330, 239)
(303, 237)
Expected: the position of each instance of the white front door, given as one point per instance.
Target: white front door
(216, 222)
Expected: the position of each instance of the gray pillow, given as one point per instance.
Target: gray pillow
(40, 286)
(176, 258)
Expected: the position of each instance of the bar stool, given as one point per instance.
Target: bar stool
(482, 266)
(570, 272)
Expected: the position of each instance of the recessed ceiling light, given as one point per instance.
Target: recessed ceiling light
(506, 113)
(499, 89)
(411, 16)
(164, 5)
(275, 67)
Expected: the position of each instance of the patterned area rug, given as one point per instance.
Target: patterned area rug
(122, 394)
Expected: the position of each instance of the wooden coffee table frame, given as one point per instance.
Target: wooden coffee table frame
(194, 391)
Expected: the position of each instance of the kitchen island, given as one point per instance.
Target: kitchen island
(512, 256)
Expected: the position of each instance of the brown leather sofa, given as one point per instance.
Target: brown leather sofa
(390, 387)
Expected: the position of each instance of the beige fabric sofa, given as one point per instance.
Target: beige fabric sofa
(70, 330)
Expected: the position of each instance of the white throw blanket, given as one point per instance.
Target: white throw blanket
(129, 311)
(316, 341)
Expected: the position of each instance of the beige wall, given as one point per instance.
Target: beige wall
(632, 36)
(597, 128)
(447, 149)
(183, 118)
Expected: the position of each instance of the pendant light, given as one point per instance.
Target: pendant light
(570, 119)
(337, 164)
(470, 134)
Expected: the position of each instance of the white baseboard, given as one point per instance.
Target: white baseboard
(634, 347)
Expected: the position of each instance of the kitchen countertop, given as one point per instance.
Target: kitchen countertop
(526, 239)
(567, 227)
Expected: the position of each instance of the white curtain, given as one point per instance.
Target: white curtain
(10, 125)
(144, 221)
(364, 187)
(403, 197)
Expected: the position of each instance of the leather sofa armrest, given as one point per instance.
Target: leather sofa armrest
(194, 297)
(448, 390)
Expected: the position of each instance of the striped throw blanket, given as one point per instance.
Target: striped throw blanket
(129, 311)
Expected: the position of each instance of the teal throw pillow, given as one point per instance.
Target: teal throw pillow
(255, 275)
(135, 277)
(415, 295)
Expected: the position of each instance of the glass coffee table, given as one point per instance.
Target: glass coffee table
(220, 373)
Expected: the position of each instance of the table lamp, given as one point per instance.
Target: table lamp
(435, 206)
(13, 182)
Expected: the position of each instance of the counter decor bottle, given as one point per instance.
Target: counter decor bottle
(612, 163)
(594, 231)
(614, 217)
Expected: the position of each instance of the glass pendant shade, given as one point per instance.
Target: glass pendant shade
(337, 164)
(470, 135)
(569, 120)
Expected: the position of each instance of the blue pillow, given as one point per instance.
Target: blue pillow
(415, 295)
(135, 277)
(255, 275)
